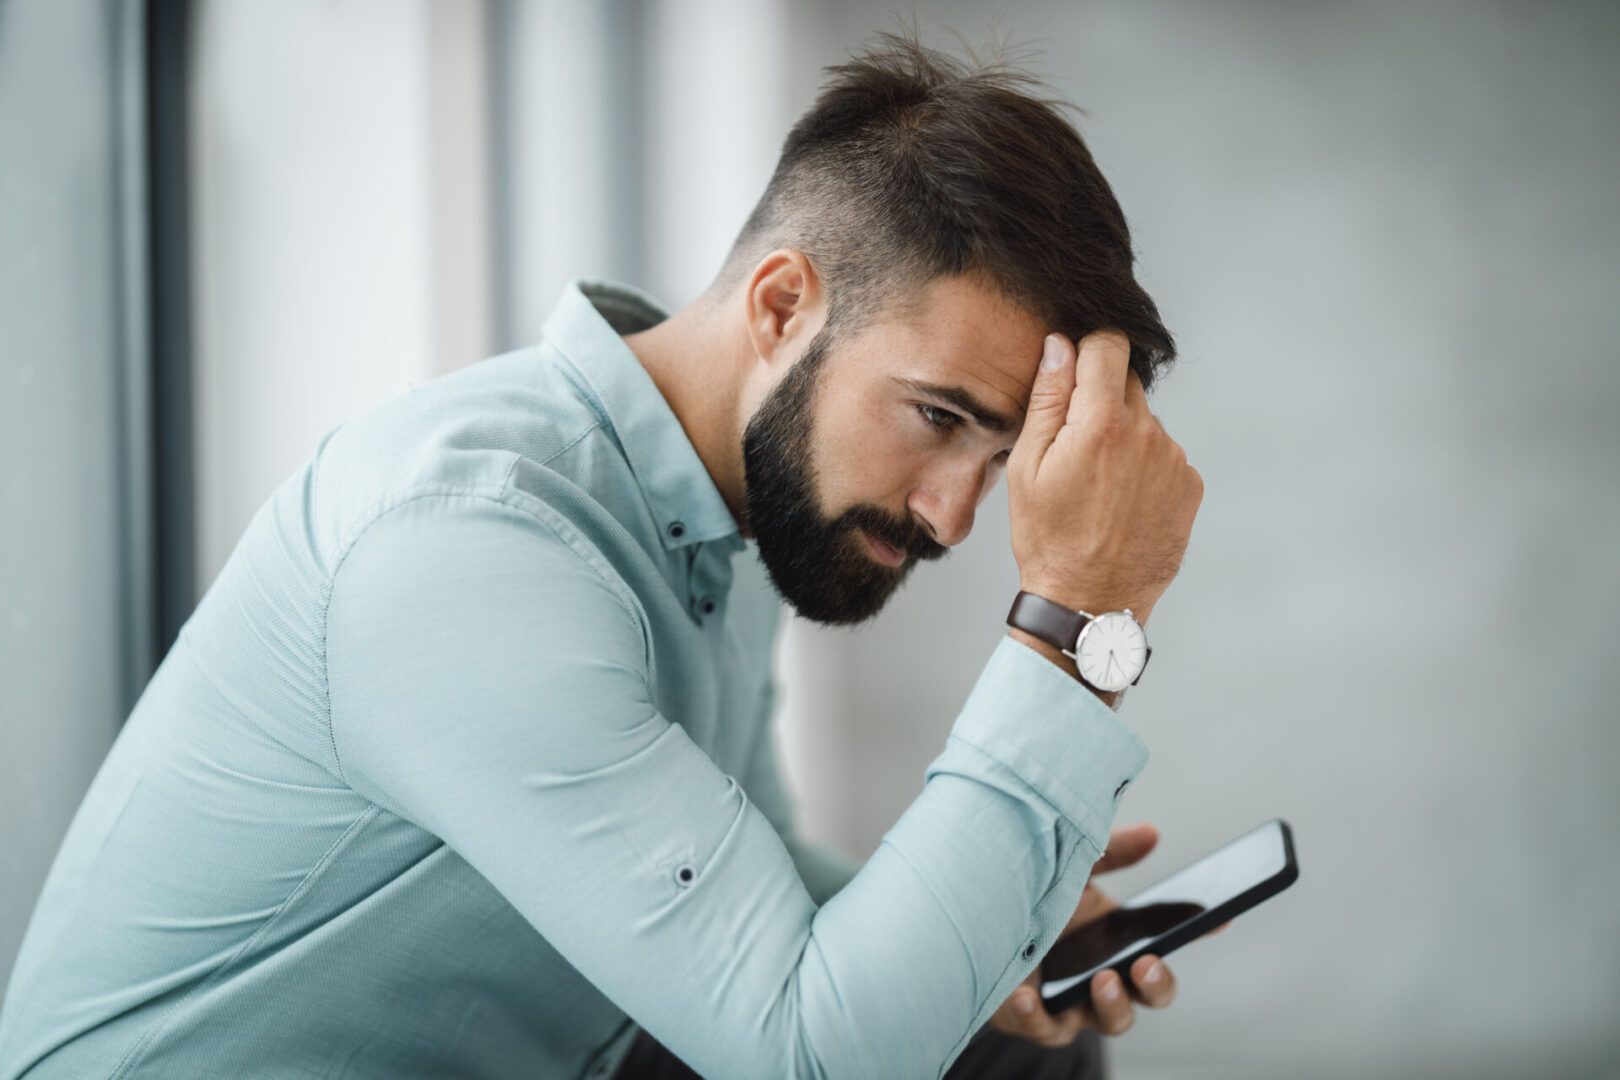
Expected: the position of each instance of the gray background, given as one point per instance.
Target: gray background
(1385, 235)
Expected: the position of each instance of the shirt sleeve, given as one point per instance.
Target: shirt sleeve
(489, 679)
(823, 870)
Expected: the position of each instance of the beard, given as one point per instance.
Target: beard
(820, 565)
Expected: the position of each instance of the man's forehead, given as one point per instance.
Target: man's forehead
(973, 341)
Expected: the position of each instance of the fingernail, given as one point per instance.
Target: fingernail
(1154, 975)
(1052, 355)
(1110, 990)
(1024, 1004)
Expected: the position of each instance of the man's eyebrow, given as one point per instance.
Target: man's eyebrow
(988, 418)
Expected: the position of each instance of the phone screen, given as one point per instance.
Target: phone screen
(1219, 877)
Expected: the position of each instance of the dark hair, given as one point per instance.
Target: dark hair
(912, 165)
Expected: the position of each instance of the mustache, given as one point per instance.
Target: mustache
(907, 536)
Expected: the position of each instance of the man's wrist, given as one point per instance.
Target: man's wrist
(1080, 600)
(1063, 660)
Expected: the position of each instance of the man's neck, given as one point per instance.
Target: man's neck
(699, 360)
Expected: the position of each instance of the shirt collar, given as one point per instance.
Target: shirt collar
(585, 327)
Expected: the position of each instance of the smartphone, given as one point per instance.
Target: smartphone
(1163, 917)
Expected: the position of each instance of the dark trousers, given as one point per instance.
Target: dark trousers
(992, 1056)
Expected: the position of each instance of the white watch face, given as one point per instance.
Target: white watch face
(1112, 651)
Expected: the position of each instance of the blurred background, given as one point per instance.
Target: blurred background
(1386, 235)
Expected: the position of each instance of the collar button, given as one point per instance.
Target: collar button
(677, 529)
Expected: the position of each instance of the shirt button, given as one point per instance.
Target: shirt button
(685, 875)
(1029, 951)
(707, 605)
(1123, 784)
(677, 529)
(599, 1070)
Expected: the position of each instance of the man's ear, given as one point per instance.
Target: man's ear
(785, 305)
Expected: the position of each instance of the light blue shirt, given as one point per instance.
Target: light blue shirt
(464, 767)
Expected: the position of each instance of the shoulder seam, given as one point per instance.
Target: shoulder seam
(498, 496)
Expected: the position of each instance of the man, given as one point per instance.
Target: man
(463, 765)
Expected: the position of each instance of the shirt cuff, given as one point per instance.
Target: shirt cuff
(1054, 734)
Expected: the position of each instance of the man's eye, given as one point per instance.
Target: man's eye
(939, 419)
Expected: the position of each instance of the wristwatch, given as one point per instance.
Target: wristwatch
(1110, 650)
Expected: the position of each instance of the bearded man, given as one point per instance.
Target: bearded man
(463, 766)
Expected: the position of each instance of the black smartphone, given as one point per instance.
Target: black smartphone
(1163, 917)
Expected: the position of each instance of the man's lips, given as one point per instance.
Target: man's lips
(884, 553)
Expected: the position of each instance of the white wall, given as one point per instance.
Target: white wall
(1386, 237)
(570, 152)
(340, 245)
(717, 109)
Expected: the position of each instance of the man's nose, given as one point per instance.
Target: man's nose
(946, 508)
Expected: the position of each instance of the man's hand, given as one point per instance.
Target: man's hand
(1102, 499)
(1112, 1010)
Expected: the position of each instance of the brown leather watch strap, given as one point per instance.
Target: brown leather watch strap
(1052, 623)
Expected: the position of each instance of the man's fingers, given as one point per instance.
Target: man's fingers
(1155, 985)
(1065, 1027)
(1048, 399)
(1127, 845)
(1105, 357)
(1040, 1026)
(1112, 1011)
